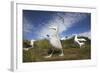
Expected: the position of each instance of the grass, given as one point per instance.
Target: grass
(71, 52)
(37, 55)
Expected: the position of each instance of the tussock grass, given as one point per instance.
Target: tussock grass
(71, 51)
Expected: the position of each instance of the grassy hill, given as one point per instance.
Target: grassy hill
(71, 51)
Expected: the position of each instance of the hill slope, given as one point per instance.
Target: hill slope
(71, 51)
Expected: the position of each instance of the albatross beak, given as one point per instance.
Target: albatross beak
(52, 28)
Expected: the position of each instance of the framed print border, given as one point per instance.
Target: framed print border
(16, 36)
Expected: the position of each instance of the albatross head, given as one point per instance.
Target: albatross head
(54, 29)
(75, 36)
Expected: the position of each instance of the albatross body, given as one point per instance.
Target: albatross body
(79, 41)
(55, 41)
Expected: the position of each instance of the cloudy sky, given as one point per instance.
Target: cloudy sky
(36, 23)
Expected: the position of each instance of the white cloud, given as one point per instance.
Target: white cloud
(64, 21)
(69, 20)
(86, 34)
(27, 27)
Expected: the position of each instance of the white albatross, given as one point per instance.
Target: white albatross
(79, 41)
(31, 44)
(55, 41)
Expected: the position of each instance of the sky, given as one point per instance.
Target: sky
(36, 23)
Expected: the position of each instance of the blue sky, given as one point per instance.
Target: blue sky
(36, 23)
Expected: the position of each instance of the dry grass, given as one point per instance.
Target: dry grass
(37, 55)
(71, 52)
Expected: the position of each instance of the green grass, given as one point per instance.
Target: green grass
(71, 52)
(36, 55)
